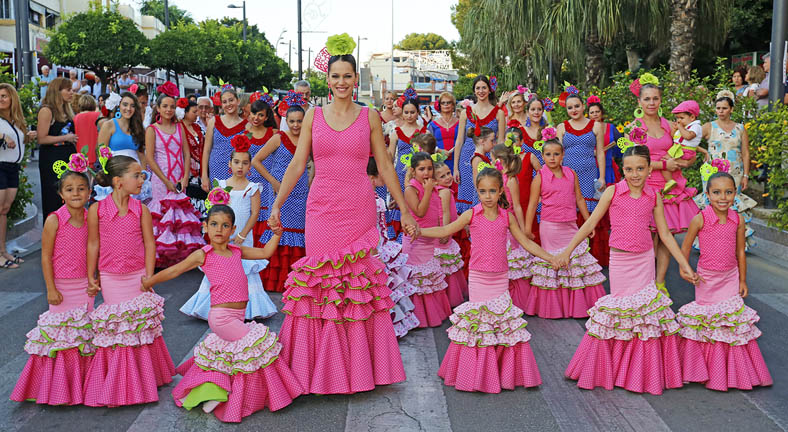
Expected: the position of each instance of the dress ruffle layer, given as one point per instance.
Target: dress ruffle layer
(679, 210)
(61, 331)
(729, 322)
(449, 256)
(132, 323)
(722, 366)
(275, 275)
(176, 227)
(257, 349)
(644, 315)
(519, 262)
(490, 323)
(56, 380)
(402, 316)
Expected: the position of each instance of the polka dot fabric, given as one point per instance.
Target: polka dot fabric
(69, 257)
(226, 275)
(488, 248)
(629, 218)
(466, 192)
(558, 195)
(579, 146)
(222, 149)
(115, 230)
(718, 241)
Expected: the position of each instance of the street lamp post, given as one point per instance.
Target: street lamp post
(300, 48)
(276, 46)
(243, 6)
(358, 55)
(289, 53)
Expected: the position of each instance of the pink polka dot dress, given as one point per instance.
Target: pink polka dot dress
(520, 260)
(631, 339)
(60, 346)
(449, 255)
(718, 345)
(338, 336)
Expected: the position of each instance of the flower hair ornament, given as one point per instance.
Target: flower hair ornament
(292, 99)
(133, 88)
(509, 142)
(112, 102)
(726, 94)
(493, 82)
(638, 83)
(104, 155)
(410, 94)
(633, 135)
(548, 134)
(78, 162)
(722, 165)
(264, 96)
(569, 90)
(336, 45)
(482, 166)
(439, 158)
(217, 196)
(180, 108)
(169, 89)
(241, 143)
(498, 165)
(593, 99)
(526, 92)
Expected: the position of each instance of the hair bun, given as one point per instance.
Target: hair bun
(726, 94)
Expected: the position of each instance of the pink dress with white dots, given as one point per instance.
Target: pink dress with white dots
(719, 346)
(60, 345)
(489, 348)
(519, 260)
(449, 256)
(631, 339)
(567, 292)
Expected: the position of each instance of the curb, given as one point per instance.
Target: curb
(769, 241)
(25, 235)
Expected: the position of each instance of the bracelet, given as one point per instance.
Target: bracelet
(240, 236)
(664, 165)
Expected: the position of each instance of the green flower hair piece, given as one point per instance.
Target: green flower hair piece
(340, 44)
(648, 78)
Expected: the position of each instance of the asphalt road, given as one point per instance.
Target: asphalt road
(422, 402)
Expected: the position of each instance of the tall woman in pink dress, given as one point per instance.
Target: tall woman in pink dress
(679, 206)
(337, 336)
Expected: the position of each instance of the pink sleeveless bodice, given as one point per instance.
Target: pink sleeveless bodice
(69, 257)
(452, 205)
(488, 248)
(115, 230)
(559, 203)
(718, 241)
(226, 275)
(630, 218)
(433, 215)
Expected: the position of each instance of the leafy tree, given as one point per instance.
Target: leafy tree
(218, 57)
(259, 65)
(156, 8)
(317, 82)
(459, 12)
(177, 49)
(422, 41)
(100, 40)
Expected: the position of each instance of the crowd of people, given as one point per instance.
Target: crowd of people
(374, 224)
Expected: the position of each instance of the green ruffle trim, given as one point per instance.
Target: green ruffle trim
(557, 288)
(140, 327)
(631, 312)
(616, 327)
(203, 393)
(334, 302)
(221, 358)
(337, 264)
(235, 371)
(716, 317)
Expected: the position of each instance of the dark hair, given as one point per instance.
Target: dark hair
(726, 99)
(649, 86)
(372, 167)
(136, 128)
(494, 173)
(411, 101)
(574, 96)
(192, 96)
(542, 122)
(483, 133)
(742, 70)
(597, 104)
(189, 106)
(553, 141)
(512, 163)
(294, 109)
(67, 174)
(637, 150)
(221, 209)
(345, 58)
(516, 131)
(258, 106)
(492, 98)
(419, 157)
(141, 91)
(715, 176)
(235, 152)
(116, 166)
(426, 141)
(231, 91)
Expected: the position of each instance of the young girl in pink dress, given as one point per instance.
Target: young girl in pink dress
(60, 345)
(390, 253)
(631, 340)
(519, 259)
(569, 292)
(489, 347)
(432, 302)
(236, 370)
(176, 224)
(131, 357)
(447, 250)
(718, 345)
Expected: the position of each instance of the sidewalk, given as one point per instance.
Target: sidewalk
(770, 242)
(24, 237)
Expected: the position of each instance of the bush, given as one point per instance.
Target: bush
(768, 148)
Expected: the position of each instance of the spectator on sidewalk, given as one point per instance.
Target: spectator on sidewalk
(763, 89)
(43, 80)
(76, 84)
(205, 110)
(755, 75)
(85, 125)
(305, 89)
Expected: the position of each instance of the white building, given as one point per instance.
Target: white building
(430, 73)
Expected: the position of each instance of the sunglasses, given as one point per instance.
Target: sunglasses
(445, 103)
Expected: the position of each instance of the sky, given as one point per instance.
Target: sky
(369, 19)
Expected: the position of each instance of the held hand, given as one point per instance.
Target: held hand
(743, 291)
(144, 286)
(409, 225)
(274, 223)
(54, 297)
(275, 186)
(555, 262)
(93, 287)
(689, 275)
(170, 186)
(72, 138)
(563, 259)
(205, 183)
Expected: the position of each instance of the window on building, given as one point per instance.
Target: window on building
(51, 20)
(35, 18)
(5, 9)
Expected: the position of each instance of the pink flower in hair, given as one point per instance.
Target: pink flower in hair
(77, 162)
(548, 133)
(639, 136)
(465, 103)
(218, 196)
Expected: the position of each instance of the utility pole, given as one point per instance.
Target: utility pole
(24, 57)
(167, 25)
(290, 54)
(300, 49)
(391, 88)
(309, 62)
(777, 53)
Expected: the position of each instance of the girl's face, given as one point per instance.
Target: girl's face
(447, 105)
(191, 114)
(127, 107)
(67, 94)
(553, 155)
(342, 79)
(5, 100)
(721, 193)
(388, 101)
(487, 143)
(167, 108)
(410, 114)
(650, 99)
(396, 110)
(294, 121)
(481, 90)
(423, 171)
(240, 164)
(74, 191)
(131, 181)
(443, 176)
(517, 103)
(258, 119)
(229, 103)
(575, 108)
(219, 228)
(595, 113)
(376, 181)
(143, 98)
(535, 111)
(636, 171)
(723, 110)
(737, 79)
(489, 190)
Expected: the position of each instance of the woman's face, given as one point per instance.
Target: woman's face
(127, 107)
(396, 110)
(294, 120)
(341, 79)
(535, 111)
(447, 105)
(167, 108)
(518, 103)
(650, 99)
(191, 114)
(723, 110)
(595, 113)
(575, 108)
(258, 119)
(67, 94)
(481, 90)
(737, 79)
(229, 103)
(5, 100)
(388, 101)
(410, 114)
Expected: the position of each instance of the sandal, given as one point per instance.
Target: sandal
(9, 264)
(18, 260)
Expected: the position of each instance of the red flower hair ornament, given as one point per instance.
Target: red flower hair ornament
(241, 143)
(169, 89)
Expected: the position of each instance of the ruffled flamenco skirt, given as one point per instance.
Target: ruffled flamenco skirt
(631, 339)
(131, 358)
(519, 273)
(259, 305)
(431, 302)
(291, 249)
(337, 336)
(718, 346)
(390, 253)
(60, 353)
(176, 227)
(567, 292)
(679, 209)
(449, 256)
(244, 375)
(489, 348)
(742, 204)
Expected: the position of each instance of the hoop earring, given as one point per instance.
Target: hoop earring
(528, 122)
(638, 112)
(659, 113)
(117, 114)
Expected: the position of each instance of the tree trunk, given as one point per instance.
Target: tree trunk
(595, 61)
(682, 37)
(204, 86)
(177, 80)
(633, 59)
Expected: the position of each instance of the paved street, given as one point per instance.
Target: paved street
(422, 402)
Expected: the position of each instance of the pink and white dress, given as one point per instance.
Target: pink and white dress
(131, 358)
(431, 302)
(238, 364)
(489, 347)
(60, 345)
(176, 224)
(449, 256)
(390, 253)
(519, 262)
(567, 292)
(631, 339)
(718, 345)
